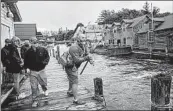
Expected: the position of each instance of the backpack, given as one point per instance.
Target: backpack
(65, 59)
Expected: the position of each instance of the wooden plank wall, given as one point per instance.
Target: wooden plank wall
(7, 24)
(25, 31)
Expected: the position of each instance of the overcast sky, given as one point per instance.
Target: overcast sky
(51, 15)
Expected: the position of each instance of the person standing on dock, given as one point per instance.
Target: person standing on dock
(24, 48)
(5, 61)
(36, 59)
(78, 55)
(14, 63)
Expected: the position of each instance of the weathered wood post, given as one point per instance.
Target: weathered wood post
(53, 51)
(160, 91)
(57, 52)
(98, 85)
(98, 88)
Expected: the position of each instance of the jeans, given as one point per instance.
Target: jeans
(37, 77)
(12, 78)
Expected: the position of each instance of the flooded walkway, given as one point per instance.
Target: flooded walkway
(57, 98)
(126, 84)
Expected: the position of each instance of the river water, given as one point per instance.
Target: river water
(126, 81)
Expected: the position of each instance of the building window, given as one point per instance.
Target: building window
(113, 41)
(114, 31)
(124, 41)
(109, 41)
(118, 42)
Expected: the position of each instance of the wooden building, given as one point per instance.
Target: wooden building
(163, 34)
(9, 14)
(25, 30)
(130, 28)
(143, 33)
(117, 34)
(124, 33)
(108, 34)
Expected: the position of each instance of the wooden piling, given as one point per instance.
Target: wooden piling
(53, 51)
(162, 108)
(57, 52)
(160, 90)
(98, 87)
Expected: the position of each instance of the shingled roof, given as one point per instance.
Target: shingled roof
(168, 23)
(128, 20)
(159, 19)
(137, 20)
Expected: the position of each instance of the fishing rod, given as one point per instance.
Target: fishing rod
(88, 61)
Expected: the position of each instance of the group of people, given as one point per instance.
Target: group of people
(34, 59)
(30, 59)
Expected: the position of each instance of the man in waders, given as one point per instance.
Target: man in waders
(36, 59)
(78, 55)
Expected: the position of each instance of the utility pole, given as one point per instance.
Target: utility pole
(151, 32)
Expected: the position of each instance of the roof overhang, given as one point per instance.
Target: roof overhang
(9, 1)
(14, 9)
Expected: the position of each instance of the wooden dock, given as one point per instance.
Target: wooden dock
(114, 51)
(8, 89)
(58, 101)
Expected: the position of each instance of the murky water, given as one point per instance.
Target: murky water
(126, 81)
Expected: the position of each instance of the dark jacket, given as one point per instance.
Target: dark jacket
(36, 58)
(23, 50)
(12, 60)
(4, 53)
